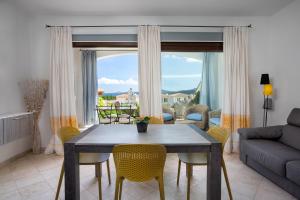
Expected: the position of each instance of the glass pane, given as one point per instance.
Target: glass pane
(117, 77)
(190, 78)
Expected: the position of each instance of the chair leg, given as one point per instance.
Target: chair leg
(108, 172)
(96, 171)
(191, 172)
(189, 175)
(178, 173)
(121, 186)
(117, 188)
(161, 187)
(226, 178)
(99, 172)
(62, 171)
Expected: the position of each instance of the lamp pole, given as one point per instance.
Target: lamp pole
(264, 107)
(267, 107)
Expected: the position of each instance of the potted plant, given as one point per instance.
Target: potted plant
(142, 124)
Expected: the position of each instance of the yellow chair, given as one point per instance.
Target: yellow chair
(67, 133)
(156, 120)
(192, 159)
(139, 163)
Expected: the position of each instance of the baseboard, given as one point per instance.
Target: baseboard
(15, 157)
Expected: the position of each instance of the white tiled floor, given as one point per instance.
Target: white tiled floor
(35, 177)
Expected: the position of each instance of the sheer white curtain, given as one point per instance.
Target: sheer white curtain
(235, 104)
(90, 85)
(78, 86)
(210, 90)
(62, 88)
(149, 71)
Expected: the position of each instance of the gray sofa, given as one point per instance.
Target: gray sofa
(274, 152)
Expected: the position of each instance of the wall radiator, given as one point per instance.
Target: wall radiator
(15, 126)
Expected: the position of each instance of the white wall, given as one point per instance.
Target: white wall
(265, 55)
(14, 57)
(14, 67)
(284, 64)
(258, 47)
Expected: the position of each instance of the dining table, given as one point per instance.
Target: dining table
(177, 138)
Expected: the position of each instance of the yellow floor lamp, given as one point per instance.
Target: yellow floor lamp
(267, 91)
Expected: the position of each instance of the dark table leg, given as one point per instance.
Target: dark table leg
(214, 172)
(72, 189)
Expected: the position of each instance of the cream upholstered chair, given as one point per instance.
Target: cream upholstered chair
(202, 110)
(179, 109)
(67, 133)
(192, 159)
(214, 118)
(168, 114)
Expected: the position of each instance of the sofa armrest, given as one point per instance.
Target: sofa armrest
(271, 132)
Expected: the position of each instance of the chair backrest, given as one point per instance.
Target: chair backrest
(67, 133)
(168, 109)
(139, 162)
(220, 134)
(117, 107)
(156, 120)
(291, 131)
(203, 109)
(104, 112)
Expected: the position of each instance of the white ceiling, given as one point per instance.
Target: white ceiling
(155, 7)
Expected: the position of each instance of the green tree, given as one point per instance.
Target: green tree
(101, 101)
(196, 98)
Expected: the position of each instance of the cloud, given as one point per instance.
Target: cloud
(103, 57)
(108, 81)
(183, 76)
(186, 59)
(192, 60)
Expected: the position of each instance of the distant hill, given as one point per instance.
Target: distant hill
(191, 91)
(113, 94)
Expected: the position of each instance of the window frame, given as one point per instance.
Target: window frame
(165, 46)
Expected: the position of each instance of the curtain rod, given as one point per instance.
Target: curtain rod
(171, 26)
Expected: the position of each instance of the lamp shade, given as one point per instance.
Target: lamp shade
(264, 79)
(268, 90)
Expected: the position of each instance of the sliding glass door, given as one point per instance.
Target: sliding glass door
(191, 78)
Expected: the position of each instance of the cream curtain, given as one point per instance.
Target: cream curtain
(62, 88)
(149, 71)
(235, 103)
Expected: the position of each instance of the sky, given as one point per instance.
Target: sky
(120, 73)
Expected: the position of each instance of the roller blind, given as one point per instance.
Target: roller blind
(165, 37)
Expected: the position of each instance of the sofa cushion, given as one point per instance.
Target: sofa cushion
(167, 116)
(294, 117)
(293, 171)
(291, 136)
(215, 120)
(194, 116)
(269, 133)
(271, 154)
